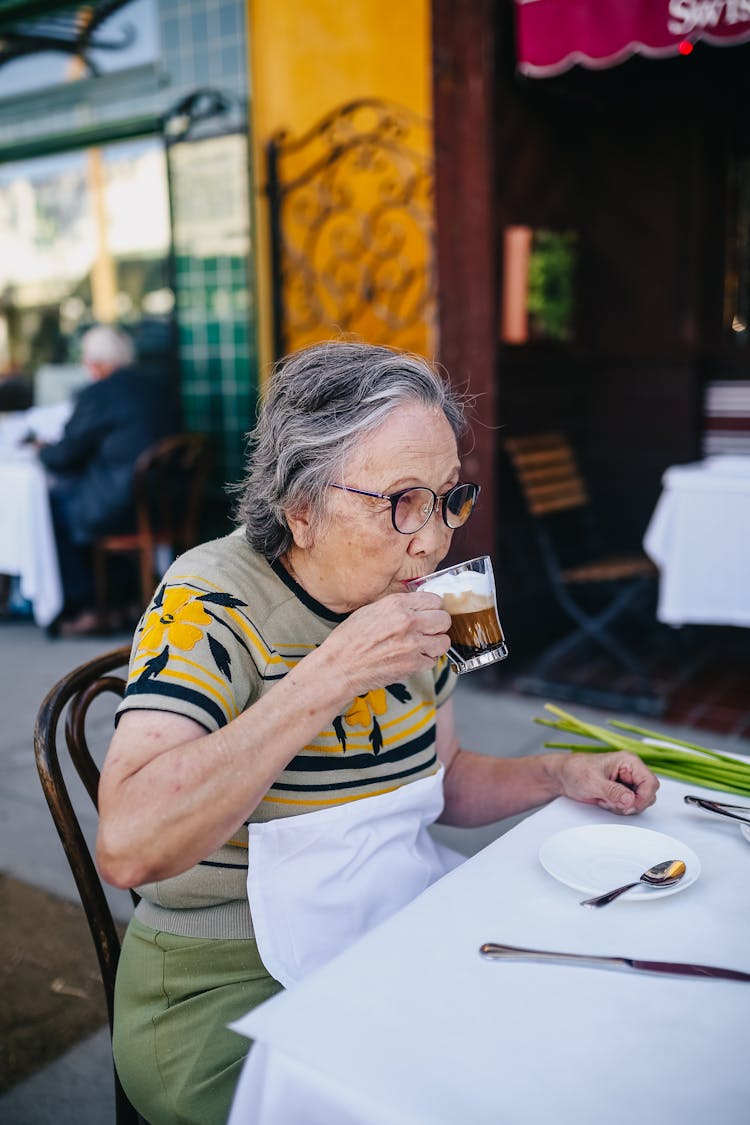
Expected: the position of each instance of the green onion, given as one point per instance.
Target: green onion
(684, 761)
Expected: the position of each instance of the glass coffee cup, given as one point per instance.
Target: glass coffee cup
(468, 593)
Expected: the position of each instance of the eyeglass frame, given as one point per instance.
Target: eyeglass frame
(394, 497)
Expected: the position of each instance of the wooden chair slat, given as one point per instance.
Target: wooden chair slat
(557, 500)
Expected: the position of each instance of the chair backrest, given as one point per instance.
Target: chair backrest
(73, 695)
(546, 470)
(556, 497)
(169, 485)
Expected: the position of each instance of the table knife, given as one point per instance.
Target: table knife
(494, 951)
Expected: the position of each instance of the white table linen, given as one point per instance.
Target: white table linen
(27, 538)
(45, 423)
(411, 1025)
(27, 541)
(699, 537)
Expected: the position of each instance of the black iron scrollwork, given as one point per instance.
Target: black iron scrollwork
(215, 110)
(73, 30)
(352, 228)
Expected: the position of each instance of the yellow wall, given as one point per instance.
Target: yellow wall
(309, 56)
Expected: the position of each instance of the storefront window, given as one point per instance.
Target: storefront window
(84, 237)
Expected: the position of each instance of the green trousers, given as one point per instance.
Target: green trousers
(176, 1059)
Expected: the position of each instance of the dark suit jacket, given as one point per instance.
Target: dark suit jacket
(113, 421)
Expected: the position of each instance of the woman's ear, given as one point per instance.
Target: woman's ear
(301, 528)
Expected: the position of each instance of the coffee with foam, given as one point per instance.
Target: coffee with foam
(465, 591)
(469, 597)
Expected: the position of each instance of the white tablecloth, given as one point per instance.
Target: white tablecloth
(699, 537)
(27, 540)
(46, 423)
(412, 1026)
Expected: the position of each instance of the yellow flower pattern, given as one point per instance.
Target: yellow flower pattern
(179, 621)
(363, 712)
(364, 706)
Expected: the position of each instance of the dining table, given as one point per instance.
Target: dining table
(27, 542)
(699, 537)
(411, 1025)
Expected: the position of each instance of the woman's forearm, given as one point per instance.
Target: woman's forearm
(166, 801)
(480, 789)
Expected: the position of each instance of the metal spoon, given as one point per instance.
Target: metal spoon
(662, 874)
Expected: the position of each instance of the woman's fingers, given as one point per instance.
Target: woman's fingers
(391, 639)
(618, 782)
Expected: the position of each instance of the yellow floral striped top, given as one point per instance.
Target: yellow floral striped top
(223, 627)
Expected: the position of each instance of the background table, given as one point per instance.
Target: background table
(27, 541)
(699, 537)
(412, 1026)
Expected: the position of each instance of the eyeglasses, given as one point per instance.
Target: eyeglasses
(412, 508)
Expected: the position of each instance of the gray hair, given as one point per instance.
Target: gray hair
(109, 346)
(319, 403)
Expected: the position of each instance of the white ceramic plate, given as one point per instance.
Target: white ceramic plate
(598, 857)
(745, 829)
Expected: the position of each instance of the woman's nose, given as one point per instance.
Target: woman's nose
(434, 535)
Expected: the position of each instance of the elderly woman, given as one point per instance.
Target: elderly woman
(287, 733)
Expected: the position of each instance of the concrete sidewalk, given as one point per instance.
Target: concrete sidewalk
(76, 1089)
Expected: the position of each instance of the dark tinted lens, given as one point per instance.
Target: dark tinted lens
(413, 509)
(459, 504)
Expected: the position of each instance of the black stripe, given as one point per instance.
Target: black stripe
(162, 711)
(356, 784)
(232, 866)
(315, 763)
(302, 595)
(440, 683)
(176, 691)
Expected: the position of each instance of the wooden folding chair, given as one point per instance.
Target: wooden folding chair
(74, 694)
(594, 589)
(169, 485)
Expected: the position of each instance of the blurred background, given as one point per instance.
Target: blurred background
(549, 198)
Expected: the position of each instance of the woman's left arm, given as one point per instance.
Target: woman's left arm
(480, 789)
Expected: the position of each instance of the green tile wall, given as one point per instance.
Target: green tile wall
(217, 352)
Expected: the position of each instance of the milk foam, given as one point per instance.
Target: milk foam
(464, 583)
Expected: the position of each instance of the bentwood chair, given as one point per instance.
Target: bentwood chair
(55, 743)
(595, 590)
(169, 484)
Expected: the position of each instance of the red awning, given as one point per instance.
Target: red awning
(554, 35)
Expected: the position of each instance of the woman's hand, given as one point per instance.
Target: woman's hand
(388, 640)
(618, 782)
(480, 789)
